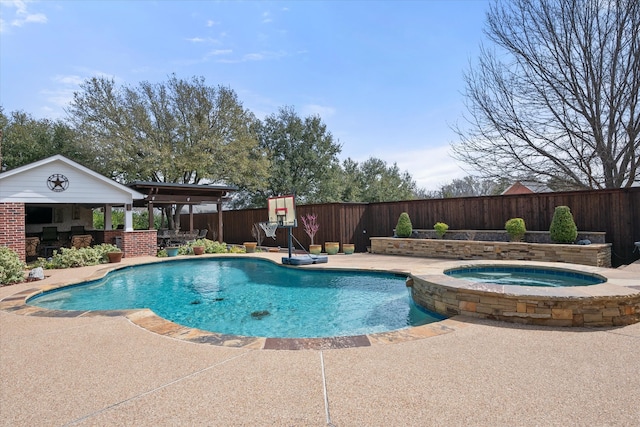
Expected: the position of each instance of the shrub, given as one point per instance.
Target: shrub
(210, 246)
(515, 229)
(73, 257)
(11, 268)
(236, 249)
(563, 229)
(404, 227)
(441, 228)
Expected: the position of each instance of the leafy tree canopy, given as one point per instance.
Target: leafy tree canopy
(303, 158)
(180, 131)
(25, 140)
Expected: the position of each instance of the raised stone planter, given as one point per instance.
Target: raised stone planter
(598, 255)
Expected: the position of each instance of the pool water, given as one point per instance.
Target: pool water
(252, 298)
(525, 276)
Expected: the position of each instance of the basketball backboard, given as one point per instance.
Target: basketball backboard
(282, 209)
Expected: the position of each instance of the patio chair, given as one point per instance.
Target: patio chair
(49, 234)
(202, 234)
(77, 229)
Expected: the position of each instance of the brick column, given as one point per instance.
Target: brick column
(12, 228)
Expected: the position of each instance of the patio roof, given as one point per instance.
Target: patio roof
(160, 193)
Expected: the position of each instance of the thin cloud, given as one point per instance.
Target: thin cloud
(261, 56)
(318, 110)
(68, 80)
(219, 52)
(203, 40)
(21, 16)
(266, 17)
(211, 23)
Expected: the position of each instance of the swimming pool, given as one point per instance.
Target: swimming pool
(252, 297)
(525, 276)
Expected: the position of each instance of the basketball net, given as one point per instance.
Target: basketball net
(269, 229)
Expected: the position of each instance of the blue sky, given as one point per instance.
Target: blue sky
(385, 76)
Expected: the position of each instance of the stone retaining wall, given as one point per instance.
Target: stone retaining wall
(502, 236)
(598, 255)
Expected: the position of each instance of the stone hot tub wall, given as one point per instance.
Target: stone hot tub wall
(598, 255)
(570, 306)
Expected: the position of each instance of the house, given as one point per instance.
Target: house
(52, 199)
(526, 187)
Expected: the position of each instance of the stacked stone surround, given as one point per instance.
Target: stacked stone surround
(551, 307)
(598, 255)
(134, 243)
(12, 228)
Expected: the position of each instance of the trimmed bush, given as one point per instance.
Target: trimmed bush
(441, 228)
(404, 227)
(11, 268)
(563, 229)
(515, 229)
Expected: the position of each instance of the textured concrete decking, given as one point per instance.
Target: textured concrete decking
(97, 370)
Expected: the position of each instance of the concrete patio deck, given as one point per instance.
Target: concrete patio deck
(99, 370)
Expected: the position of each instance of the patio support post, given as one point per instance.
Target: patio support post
(150, 209)
(108, 225)
(190, 217)
(220, 236)
(128, 216)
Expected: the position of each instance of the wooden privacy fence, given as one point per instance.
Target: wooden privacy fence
(616, 212)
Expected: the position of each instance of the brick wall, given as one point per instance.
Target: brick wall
(133, 243)
(140, 243)
(598, 255)
(12, 228)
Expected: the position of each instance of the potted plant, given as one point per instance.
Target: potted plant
(114, 256)
(198, 250)
(515, 229)
(250, 247)
(441, 228)
(331, 248)
(311, 226)
(348, 248)
(171, 251)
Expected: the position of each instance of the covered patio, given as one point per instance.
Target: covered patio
(163, 194)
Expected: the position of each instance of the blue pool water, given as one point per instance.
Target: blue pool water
(525, 276)
(252, 297)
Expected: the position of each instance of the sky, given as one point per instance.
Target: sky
(386, 77)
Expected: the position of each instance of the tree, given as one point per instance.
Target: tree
(26, 140)
(303, 158)
(558, 102)
(374, 181)
(471, 186)
(179, 131)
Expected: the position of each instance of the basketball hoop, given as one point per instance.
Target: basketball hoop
(269, 229)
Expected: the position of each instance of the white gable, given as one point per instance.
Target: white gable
(60, 180)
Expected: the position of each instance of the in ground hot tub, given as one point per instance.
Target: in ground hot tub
(558, 294)
(525, 276)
